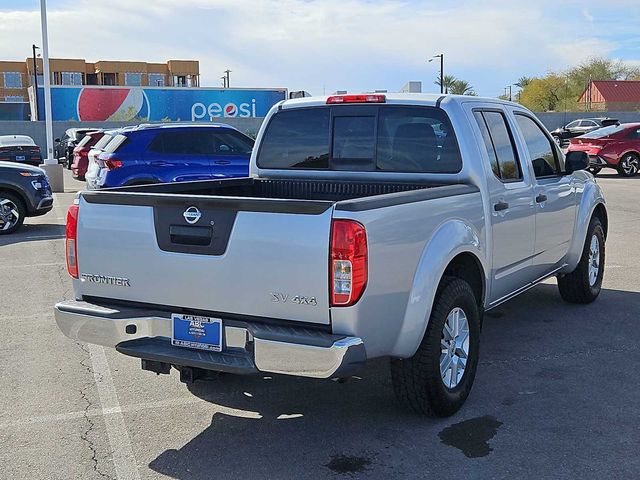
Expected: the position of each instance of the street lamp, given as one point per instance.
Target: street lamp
(441, 56)
(51, 166)
(35, 79)
(227, 72)
(505, 91)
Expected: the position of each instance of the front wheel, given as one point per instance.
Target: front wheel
(629, 165)
(583, 285)
(12, 213)
(437, 380)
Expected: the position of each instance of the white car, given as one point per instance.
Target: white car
(19, 149)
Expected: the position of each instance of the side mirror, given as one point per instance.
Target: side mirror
(575, 161)
(57, 140)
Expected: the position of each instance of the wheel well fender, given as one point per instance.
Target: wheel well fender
(18, 193)
(592, 204)
(455, 248)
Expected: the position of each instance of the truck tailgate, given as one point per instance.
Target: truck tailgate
(248, 256)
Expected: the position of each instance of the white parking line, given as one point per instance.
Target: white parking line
(124, 462)
(30, 265)
(96, 412)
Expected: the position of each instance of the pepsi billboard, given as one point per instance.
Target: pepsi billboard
(123, 104)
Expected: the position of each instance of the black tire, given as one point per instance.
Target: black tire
(594, 170)
(417, 381)
(576, 286)
(629, 165)
(19, 208)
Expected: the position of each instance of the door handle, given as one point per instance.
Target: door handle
(541, 198)
(222, 162)
(498, 207)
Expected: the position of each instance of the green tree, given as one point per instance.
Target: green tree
(544, 94)
(448, 81)
(523, 82)
(461, 87)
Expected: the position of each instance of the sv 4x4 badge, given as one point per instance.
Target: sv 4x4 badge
(277, 297)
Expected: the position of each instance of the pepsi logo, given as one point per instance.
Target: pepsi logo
(230, 110)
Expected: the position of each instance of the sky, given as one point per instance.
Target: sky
(326, 45)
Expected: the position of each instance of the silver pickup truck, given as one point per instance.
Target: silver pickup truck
(370, 226)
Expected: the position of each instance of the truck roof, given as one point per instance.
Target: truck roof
(424, 99)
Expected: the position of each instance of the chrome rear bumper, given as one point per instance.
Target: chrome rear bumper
(248, 346)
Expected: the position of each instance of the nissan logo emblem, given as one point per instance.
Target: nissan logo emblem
(192, 215)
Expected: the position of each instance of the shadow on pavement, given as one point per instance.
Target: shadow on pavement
(285, 427)
(34, 232)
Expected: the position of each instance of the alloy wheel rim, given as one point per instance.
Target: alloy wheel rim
(454, 347)
(630, 164)
(9, 214)
(594, 260)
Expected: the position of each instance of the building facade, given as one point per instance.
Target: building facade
(17, 77)
(611, 95)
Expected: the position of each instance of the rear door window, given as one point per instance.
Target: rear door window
(361, 138)
(498, 142)
(232, 143)
(197, 141)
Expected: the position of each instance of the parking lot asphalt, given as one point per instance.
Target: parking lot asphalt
(556, 395)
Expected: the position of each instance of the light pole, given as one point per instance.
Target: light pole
(227, 72)
(441, 56)
(35, 80)
(509, 87)
(51, 166)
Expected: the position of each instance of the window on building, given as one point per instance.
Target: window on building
(12, 80)
(14, 98)
(541, 149)
(71, 78)
(179, 80)
(156, 80)
(133, 79)
(499, 145)
(109, 79)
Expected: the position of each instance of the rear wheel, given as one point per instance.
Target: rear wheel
(12, 213)
(583, 285)
(629, 165)
(437, 380)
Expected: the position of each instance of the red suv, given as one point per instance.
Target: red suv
(617, 146)
(81, 153)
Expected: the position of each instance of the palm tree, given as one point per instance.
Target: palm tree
(461, 87)
(448, 82)
(523, 82)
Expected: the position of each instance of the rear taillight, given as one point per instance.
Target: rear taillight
(35, 149)
(367, 98)
(112, 164)
(72, 238)
(348, 262)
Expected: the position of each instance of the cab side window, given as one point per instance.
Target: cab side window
(541, 149)
(499, 144)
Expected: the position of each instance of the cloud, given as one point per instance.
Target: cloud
(316, 45)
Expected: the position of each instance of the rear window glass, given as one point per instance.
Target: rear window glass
(604, 132)
(115, 143)
(388, 138)
(296, 139)
(84, 141)
(100, 144)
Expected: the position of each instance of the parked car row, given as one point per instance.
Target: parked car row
(578, 127)
(63, 148)
(615, 146)
(163, 153)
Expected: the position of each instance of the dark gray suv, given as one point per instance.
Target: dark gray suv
(24, 192)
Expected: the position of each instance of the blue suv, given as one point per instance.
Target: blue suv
(173, 153)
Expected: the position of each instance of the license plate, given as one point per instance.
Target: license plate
(20, 158)
(194, 331)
